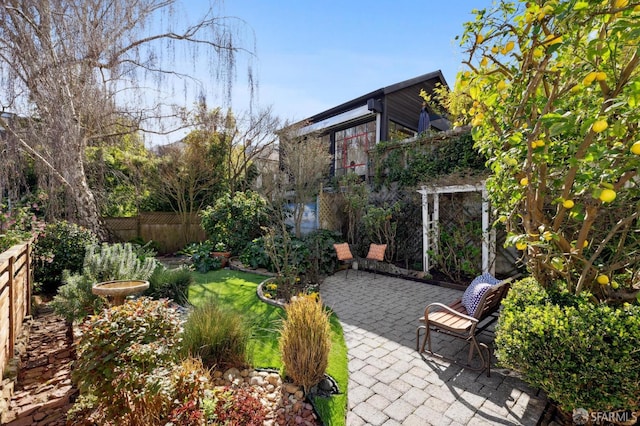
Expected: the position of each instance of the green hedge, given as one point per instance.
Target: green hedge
(60, 246)
(583, 355)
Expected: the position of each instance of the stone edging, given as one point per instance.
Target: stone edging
(275, 302)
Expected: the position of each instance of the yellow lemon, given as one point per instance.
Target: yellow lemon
(607, 195)
(524, 181)
(603, 279)
(495, 50)
(521, 245)
(552, 39)
(544, 12)
(599, 126)
(636, 9)
(501, 85)
(484, 62)
(588, 79)
(568, 204)
(585, 244)
(509, 46)
(479, 38)
(635, 148)
(601, 76)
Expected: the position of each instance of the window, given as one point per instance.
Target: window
(398, 132)
(352, 147)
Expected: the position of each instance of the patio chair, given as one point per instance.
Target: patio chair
(343, 252)
(483, 300)
(376, 254)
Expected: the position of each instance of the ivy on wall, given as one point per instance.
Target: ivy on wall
(410, 164)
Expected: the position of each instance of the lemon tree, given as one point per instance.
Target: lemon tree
(551, 90)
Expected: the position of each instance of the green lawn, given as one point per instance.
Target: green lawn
(238, 290)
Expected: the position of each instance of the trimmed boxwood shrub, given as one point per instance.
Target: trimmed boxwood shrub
(60, 246)
(583, 355)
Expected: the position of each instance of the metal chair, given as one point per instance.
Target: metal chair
(343, 252)
(376, 254)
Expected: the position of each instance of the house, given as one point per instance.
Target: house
(351, 129)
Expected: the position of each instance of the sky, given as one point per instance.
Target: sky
(313, 55)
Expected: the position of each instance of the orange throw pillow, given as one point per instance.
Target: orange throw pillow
(376, 252)
(343, 252)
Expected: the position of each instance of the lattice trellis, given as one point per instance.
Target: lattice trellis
(458, 249)
(431, 214)
(330, 211)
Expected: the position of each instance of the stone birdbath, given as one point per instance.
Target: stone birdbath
(119, 289)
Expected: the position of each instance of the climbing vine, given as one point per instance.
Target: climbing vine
(412, 164)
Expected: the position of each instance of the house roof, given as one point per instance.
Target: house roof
(402, 99)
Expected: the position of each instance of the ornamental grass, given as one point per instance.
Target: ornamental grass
(305, 340)
(217, 335)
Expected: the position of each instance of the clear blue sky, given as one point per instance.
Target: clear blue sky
(313, 55)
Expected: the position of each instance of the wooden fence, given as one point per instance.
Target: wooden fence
(167, 230)
(16, 275)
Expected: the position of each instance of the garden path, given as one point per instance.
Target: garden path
(43, 392)
(390, 383)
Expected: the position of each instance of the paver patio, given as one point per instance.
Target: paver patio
(390, 383)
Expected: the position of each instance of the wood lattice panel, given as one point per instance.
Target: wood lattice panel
(330, 211)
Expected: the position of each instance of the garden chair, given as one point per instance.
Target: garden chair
(343, 252)
(376, 255)
(483, 300)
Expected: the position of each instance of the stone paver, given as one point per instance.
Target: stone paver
(390, 383)
(43, 391)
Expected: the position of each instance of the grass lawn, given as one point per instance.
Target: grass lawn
(238, 290)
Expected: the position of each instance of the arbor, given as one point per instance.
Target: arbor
(75, 68)
(552, 93)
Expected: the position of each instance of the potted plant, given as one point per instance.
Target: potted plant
(221, 251)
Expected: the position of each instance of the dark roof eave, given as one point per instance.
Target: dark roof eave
(362, 100)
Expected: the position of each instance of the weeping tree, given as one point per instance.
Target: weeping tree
(76, 70)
